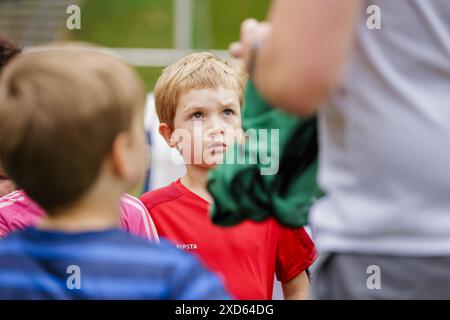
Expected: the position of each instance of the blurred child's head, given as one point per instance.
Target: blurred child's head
(198, 101)
(71, 121)
(8, 50)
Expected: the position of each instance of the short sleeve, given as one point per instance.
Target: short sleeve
(295, 253)
(136, 219)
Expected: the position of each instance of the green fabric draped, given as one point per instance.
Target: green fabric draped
(241, 191)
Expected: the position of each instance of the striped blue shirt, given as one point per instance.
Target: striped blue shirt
(110, 264)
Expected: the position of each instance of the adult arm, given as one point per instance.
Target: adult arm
(303, 49)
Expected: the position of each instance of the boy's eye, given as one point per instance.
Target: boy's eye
(228, 112)
(197, 115)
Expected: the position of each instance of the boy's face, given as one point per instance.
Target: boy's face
(206, 122)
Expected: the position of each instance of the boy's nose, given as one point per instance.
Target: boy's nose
(216, 127)
(214, 132)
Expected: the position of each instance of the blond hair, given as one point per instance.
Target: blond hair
(60, 111)
(195, 71)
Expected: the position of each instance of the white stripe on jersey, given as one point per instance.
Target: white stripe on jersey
(12, 195)
(11, 198)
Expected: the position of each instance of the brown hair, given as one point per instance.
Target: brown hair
(195, 71)
(60, 111)
(7, 51)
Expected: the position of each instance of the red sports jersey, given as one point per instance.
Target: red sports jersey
(246, 256)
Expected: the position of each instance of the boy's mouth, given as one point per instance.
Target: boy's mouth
(217, 147)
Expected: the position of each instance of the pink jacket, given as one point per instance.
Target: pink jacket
(18, 211)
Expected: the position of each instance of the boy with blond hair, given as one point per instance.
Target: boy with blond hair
(71, 135)
(198, 102)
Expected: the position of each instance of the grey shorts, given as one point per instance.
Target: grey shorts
(354, 276)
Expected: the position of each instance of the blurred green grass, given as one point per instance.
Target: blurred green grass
(227, 15)
(128, 24)
(131, 24)
(149, 75)
(149, 24)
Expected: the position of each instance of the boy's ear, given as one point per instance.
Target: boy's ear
(119, 155)
(166, 132)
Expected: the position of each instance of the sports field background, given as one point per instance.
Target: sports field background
(149, 24)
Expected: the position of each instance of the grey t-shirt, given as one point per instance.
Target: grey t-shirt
(385, 137)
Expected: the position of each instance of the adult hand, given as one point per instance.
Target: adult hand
(252, 32)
